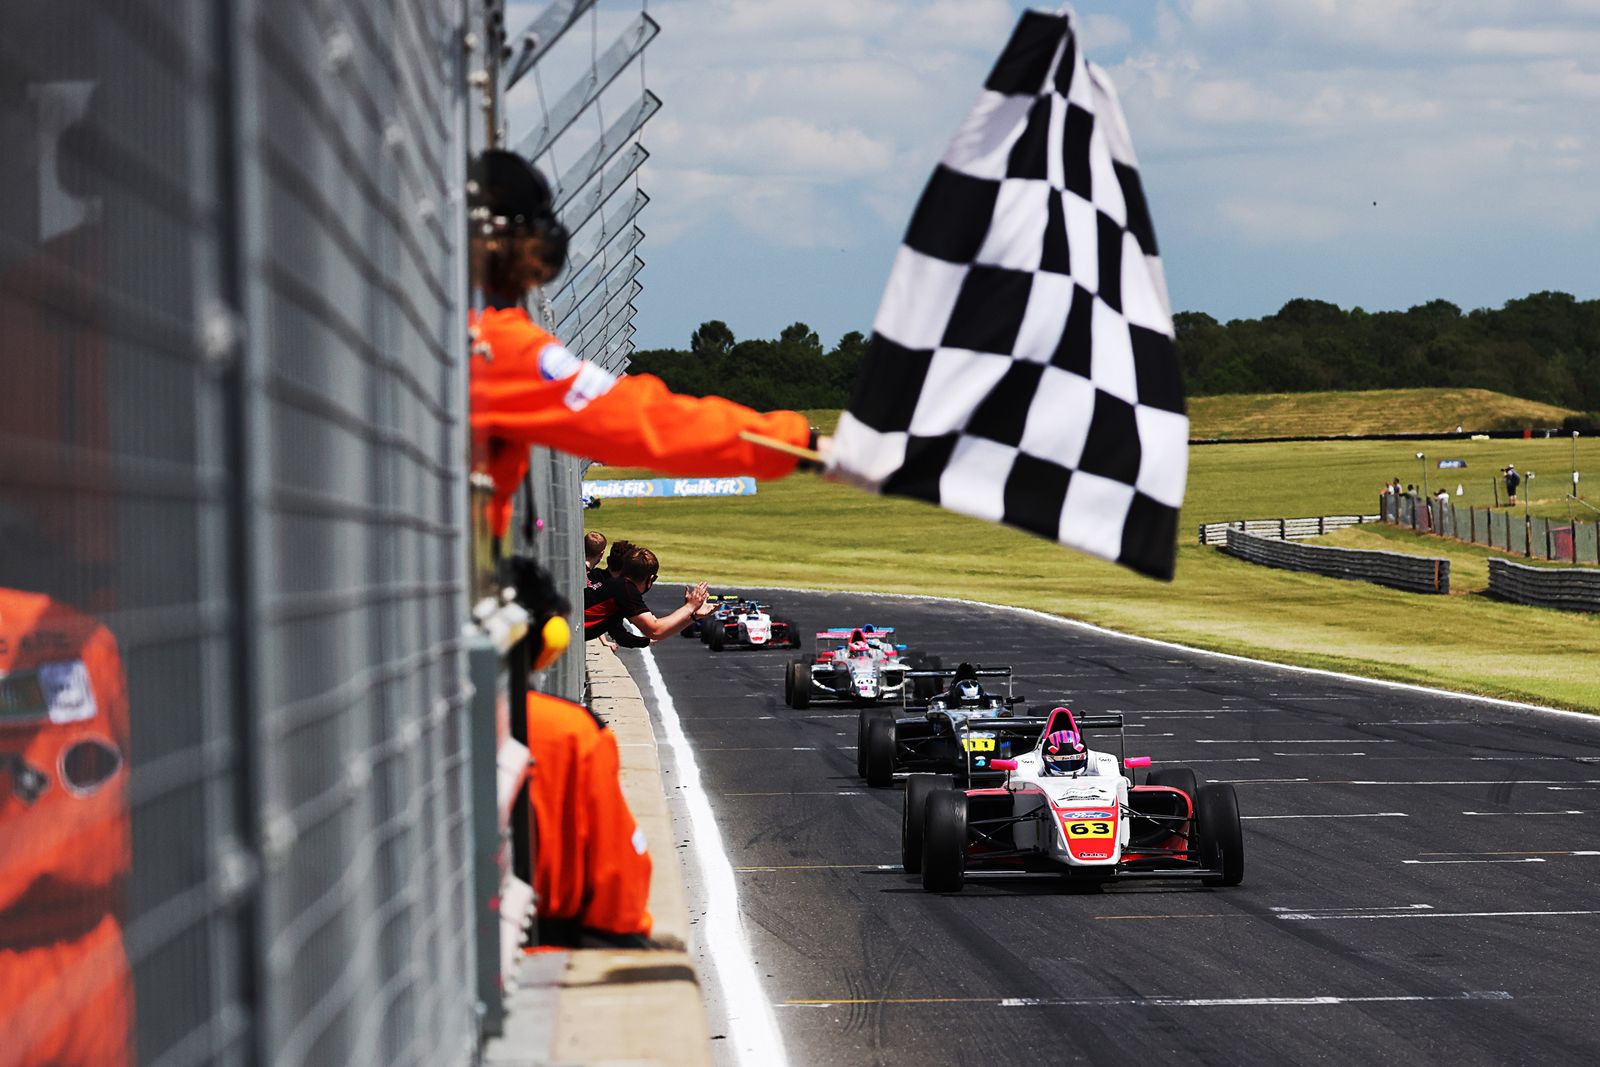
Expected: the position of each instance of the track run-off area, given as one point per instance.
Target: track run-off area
(1422, 872)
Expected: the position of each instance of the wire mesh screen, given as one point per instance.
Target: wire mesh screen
(232, 803)
(357, 539)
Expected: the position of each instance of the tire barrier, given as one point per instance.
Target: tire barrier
(1398, 570)
(1544, 587)
(1215, 533)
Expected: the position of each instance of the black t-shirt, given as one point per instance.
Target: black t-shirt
(607, 601)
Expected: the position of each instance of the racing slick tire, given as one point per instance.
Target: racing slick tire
(918, 788)
(1177, 778)
(944, 841)
(716, 637)
(862, 719)
(1221, 838)
(797, 684)
(879, 761)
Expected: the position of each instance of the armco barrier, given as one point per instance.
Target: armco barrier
(1214, 533)
(1545, 587)
(1398, 570)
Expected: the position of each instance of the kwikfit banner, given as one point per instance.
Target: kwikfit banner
(640, 488)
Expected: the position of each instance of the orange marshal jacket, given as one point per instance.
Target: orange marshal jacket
(65, 991)
(591, 867)
(528, 389)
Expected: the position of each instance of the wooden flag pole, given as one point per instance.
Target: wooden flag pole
(763, 441)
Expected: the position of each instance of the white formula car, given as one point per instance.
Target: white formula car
(1069, 810)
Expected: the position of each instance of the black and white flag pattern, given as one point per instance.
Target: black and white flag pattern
(1022, 367)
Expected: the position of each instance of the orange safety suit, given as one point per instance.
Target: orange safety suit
(591, 867)
(66, 995)
(527, 389)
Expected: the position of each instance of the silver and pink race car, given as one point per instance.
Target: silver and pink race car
(1066, 809)
(860, 664)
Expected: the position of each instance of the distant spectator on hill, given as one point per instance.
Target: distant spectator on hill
(1513, 479)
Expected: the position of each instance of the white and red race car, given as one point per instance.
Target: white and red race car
(1093, 826)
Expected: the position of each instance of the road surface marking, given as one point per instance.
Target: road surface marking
(1523, 813)
(1292, 741)
(1146, 1002)
(799, 793)
(1538, 859)
(821, 867)
(1443, 915)
(753, 1028)
(1583, 852)
(1362, 815)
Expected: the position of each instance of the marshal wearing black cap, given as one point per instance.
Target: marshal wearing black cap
(518, 243)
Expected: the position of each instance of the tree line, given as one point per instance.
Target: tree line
(1542, 347)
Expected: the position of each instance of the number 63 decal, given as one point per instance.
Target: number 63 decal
(1089, 829)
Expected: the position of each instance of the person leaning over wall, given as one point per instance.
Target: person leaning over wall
(528, 389)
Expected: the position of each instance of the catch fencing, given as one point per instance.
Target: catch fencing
(1216, 533)
(233, 449)
(1545, 587)
(1417, 574)
(1507, 529)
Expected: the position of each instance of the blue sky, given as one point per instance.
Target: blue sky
(1372, 152)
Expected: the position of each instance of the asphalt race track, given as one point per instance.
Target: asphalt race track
(1422, 877)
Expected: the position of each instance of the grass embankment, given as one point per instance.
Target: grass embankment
(1378, 411)
(806, 532)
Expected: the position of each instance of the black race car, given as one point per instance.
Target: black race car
(957, 730)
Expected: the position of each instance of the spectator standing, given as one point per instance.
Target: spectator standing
(1513, 480)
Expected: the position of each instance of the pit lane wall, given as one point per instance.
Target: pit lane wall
(1398, 570)
(1545, 587)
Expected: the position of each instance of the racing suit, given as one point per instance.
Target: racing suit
(591, 867)
(528, 389)
(66, 995)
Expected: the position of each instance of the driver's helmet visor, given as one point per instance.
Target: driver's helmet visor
(1064, 752)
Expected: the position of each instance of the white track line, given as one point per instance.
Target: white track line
(1226, 657)
(1364, 815)
(752, 1025)
(1522, 813)
(1319, 917)
(1150, 1002)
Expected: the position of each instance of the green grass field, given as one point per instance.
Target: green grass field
(1370, 412)
(803, 531)
(1377, 411)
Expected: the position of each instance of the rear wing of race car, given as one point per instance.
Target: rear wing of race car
(1031, 728)
(846, 631)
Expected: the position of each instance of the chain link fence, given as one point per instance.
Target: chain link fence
(237, 547)
(232, 499)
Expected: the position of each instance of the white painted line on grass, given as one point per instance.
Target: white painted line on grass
(753, 1028)
(1362, 815)
(1226, 657)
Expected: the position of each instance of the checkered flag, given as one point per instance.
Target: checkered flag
(1022, 366)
